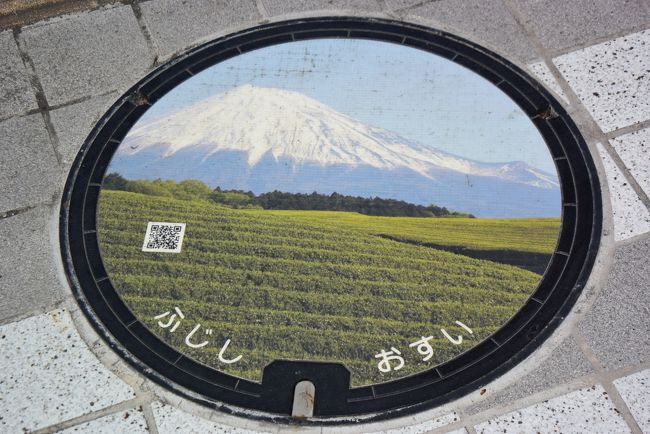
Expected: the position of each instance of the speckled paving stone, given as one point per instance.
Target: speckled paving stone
(617, 327)
(543, 74)
(631, 217)
(171, 420)
(635, 390)
(48, 375)
(29, 171)
(16, 93)
(583, 411)
(612, 79)
(277, 7)
(634, 150)
(74, 122)
(457, 431)
(564, 364)
(28, 279)
(88, 54)
(130, 421)
(485, 22)
(561, 24)
(178, 24)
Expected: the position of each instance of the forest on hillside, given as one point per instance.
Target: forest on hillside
(277, 200)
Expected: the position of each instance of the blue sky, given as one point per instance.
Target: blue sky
(416, 94)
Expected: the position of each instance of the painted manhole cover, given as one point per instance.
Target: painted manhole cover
(384, 211)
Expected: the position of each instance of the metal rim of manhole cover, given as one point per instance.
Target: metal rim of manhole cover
(335, 401)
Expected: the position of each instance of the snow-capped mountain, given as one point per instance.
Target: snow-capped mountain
(265, 139)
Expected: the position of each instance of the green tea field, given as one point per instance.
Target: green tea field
(320, 285)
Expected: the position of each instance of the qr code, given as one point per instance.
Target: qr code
(164, 237)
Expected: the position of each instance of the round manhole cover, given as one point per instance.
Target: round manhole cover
(387, 212)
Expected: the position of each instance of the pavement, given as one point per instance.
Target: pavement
(63, 66)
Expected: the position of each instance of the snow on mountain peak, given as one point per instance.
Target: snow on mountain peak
(262, 121)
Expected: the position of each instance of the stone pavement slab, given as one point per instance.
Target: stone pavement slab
(631, 217)
(87, 54)
(634, 150)
(635, 391)
(28, 278)
(561, 24)
(422, 427)
(171, 420)
(612, 79)
(16, 92)
(564, 364)
(617, 326)
(127, 422)
(488, 23)
(177, 24)
(30, 174)
(583, 411)
(278, 7)
(46, 350)
(544, 75)
(74, 122)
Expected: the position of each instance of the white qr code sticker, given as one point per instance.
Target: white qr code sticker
(163, 237)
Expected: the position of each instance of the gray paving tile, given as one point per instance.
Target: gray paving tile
(617, 326)
(178, 24)
(612, 79)
(634, 150)
(392, 5)
(564, 364)
(130, 421)
(635, 390)
(486, 23)
(277, 7)
(171, 420)
(631, 217)
(583, 411)
(544, 74)
(560, 24)
(16, 93)
(48, 375)
(28, 278)
(74, 122)
(29, 171)
(88, 53)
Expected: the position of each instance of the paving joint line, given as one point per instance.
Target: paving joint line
(607, 383)
(39, 310)
(261, 9)
(39, 93)
(599, 40)
(637, 126)
(15, 212)
(643, 197)
(634, 239)
(53, 107)
(590, 127)
(149, 417)
(134, 403)
(144, 29)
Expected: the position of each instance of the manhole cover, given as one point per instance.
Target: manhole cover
(388, 213)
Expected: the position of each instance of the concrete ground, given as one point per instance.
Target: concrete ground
(59, 74)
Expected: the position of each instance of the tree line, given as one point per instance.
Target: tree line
(277, 200)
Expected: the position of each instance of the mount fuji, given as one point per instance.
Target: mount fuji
(265, 139)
